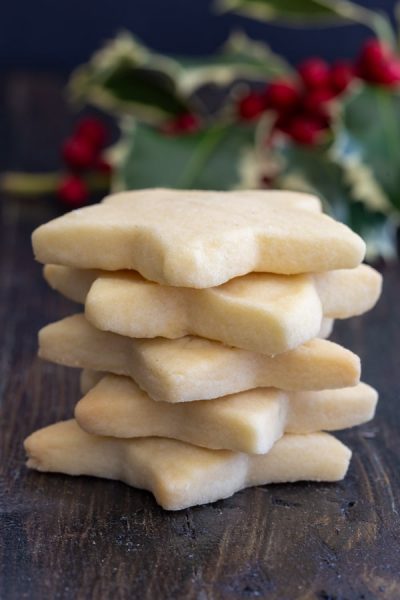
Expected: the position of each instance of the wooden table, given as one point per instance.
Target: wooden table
(70, 538)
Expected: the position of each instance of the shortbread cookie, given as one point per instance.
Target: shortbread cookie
(343, 293)
(181, 475)
(75, 285)
(89, 379)
(348, 292)
(326, 328)
(198, 239)
(193, 368)
(265, 313)
(259, 312)
(249, 421)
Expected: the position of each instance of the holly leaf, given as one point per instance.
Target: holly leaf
(126, 77)
(314, 170)
(239, 58)
(208, 159)
(367, 146)
(298, 12)
(378, 231)
(312, 12)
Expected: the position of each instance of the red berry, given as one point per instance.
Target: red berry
(389, 74)
(184, 123)
(93, 131)
(187, 122)
(304, 130)
(315, 100)
(102, 166)
(73, 191)
(266, 181)
(282, 96)
(394, 70)
(340, 76)
(386, 74)
(251, 106)
(314, 73)
(78, 153)
(377, 64)
(283, 122)
(373, 55)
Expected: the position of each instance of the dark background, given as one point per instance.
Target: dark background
(59, 34)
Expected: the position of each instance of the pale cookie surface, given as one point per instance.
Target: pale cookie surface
(198, 238)
(193, 368)
(248, 422)
(181, 475)
(259, 312)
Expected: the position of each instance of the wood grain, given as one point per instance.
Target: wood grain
(73, 538)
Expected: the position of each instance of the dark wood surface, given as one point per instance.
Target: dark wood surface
(69, 538)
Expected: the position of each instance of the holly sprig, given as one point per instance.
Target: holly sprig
(286, 134)
(332, 129)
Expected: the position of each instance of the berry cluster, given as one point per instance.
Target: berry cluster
(302, 104)
(82, 153)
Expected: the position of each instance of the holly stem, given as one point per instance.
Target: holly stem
(28, 184)
(18, 183)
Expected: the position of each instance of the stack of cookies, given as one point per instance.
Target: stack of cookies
(205, 368)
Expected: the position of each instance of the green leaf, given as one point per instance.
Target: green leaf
(368, 139)
(209, 159)
(313, 169)
(312, 12)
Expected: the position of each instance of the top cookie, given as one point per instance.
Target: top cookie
(200, 239)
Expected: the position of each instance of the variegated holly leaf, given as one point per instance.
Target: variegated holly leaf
(127, 77)
(239, 58)
(296, 12)
(313, 169)
(367, 146)
(312, 12)
(208, 159)
(378, 230)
